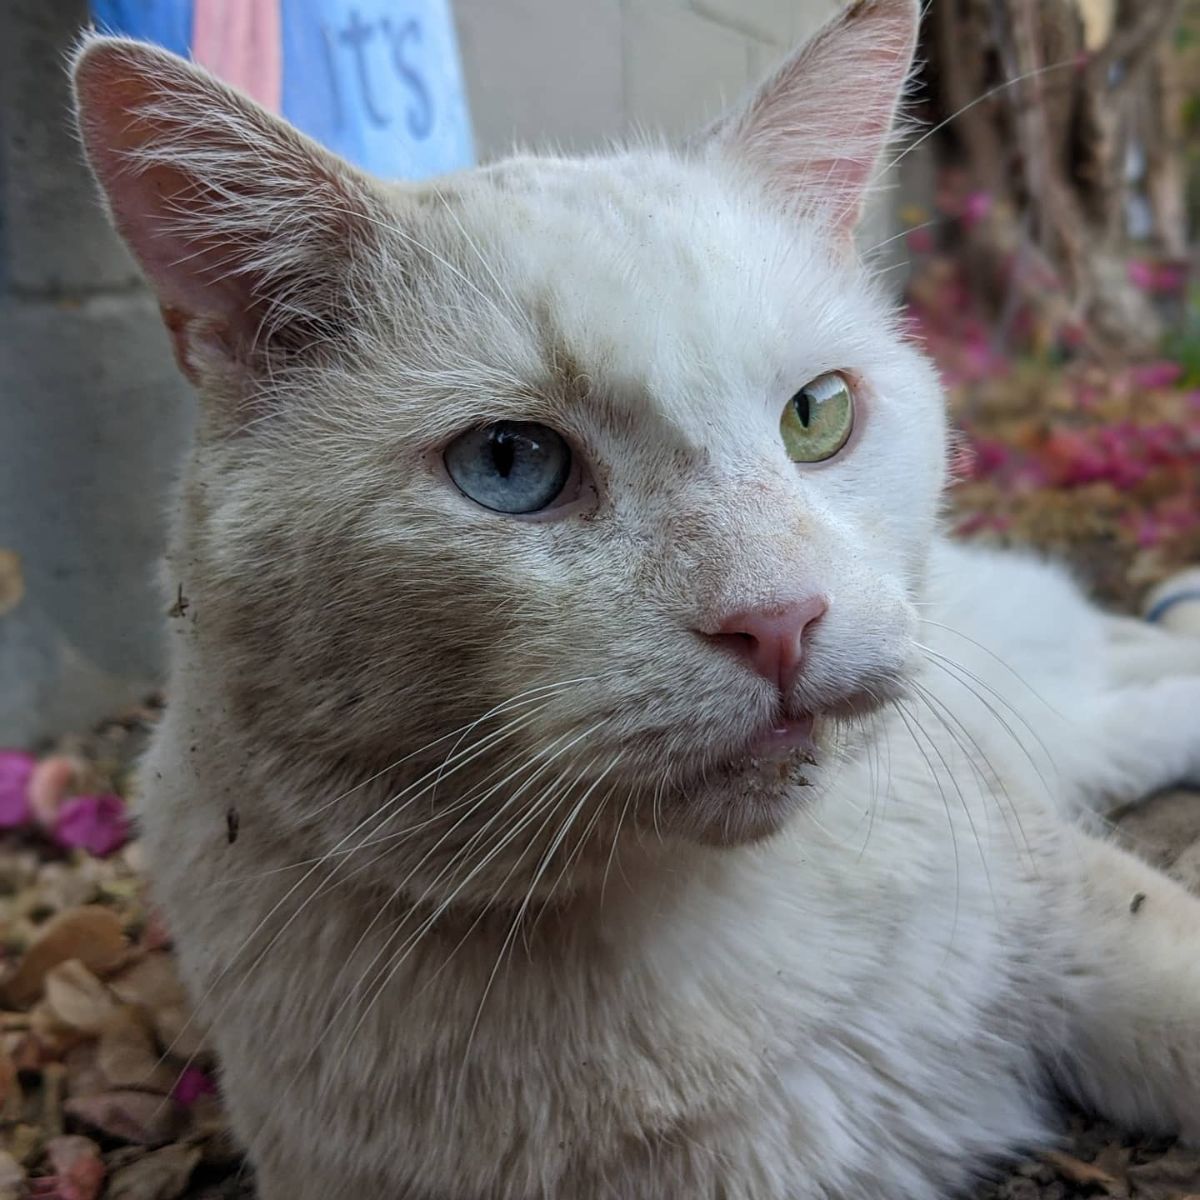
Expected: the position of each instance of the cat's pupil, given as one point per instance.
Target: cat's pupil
(803, 406)
(504, 451)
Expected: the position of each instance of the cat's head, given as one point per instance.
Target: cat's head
(604, 483)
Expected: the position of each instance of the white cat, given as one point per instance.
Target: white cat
(638, 797)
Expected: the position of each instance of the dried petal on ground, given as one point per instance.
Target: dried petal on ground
(156, 935)
(140, 1117)
(98, 824)
(76, 1167)
(1167, 1176)
(1075, 1170)
(77, 998)
(12, 1174)
(92, 934)
(160, 1175)
(62, 885)
(191, 1084)
(23, 1141)
(84, 1077)
(9, 1086)
(53, 778)
(16, 769)
(151, 981)
(128, 1055)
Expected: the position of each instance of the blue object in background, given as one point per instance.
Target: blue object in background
(167, 22)
(378, 81)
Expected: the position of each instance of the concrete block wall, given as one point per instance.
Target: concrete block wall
(93, 414)
(577, 72)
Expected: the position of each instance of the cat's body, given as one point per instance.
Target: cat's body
(705, 830)
(879, 1002)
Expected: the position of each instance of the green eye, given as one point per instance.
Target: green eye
(817, 420)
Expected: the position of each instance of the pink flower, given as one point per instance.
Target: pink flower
(78, 1171)
(1159, 279)
(16, 767)
(1141, 273)
(920, 241)
(1029, 477)
(1073, 334)
(1161, 374)
(975, 208)
(191, 1085)
(97, 824)
(52, 780)
(1170, 278)
(990, 456)
(1147, 531)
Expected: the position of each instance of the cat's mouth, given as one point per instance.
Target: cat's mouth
(799, 737)
(746, 787)
(785, 736)
(785, 748)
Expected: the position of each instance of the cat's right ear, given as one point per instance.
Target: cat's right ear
(247, 231)
(814, 132)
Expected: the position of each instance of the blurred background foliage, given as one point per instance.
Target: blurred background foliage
(1052, 238)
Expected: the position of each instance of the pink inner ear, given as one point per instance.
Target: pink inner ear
(242, 225)
(816, 129)
(189, 272)
(193, 275)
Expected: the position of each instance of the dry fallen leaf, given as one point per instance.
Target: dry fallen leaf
(1075, 1170)
(1166, 1177)
(140, 1117)
(84, 1077)
(9, 1087)
(11, 1171)
(53, 779)
(92, 934)
(160, 1175)
(151, 981)
(128, 1056)
(23, 1141)
(77, 998)
(77, 1167)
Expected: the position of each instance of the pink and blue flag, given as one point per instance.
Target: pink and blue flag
(378, 81)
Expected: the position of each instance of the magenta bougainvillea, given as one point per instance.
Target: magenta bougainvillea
(36, 797)
(1055, 446)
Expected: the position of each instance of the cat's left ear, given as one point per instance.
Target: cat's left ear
(815, 130)
(249, 233)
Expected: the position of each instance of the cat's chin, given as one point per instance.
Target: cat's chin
(746, 800)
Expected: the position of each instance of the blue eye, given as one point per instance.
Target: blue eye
(510, 467)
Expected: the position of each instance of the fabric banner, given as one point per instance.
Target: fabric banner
(379, 81)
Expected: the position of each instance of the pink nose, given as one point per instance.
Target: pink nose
(771, 640)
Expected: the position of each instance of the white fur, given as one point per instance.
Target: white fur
(512, 914)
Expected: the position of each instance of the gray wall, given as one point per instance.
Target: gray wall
(93, 416)
(575, 72)
(92, 412)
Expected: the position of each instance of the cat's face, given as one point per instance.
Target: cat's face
(606, 482)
